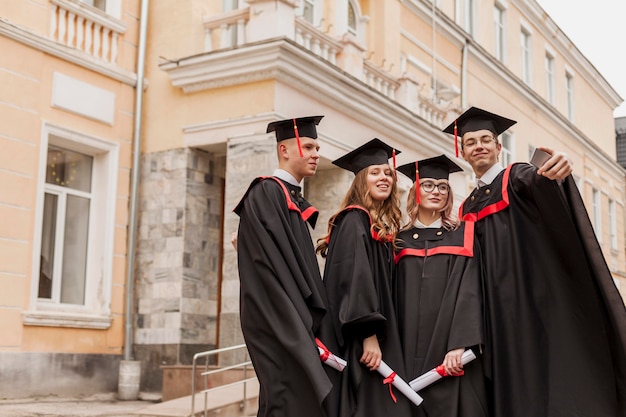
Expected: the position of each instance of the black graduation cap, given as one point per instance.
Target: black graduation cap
(474, 119)
(286, 129)
(438, 167)
(374, 152)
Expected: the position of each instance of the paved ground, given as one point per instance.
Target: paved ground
(101, 405)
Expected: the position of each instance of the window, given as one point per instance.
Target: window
(499, 31)
(613, 224)
(308, 10)
(506, 154)
(569, 89)
(352, 27)
(98, 4)
(526, 56)
(549, 78)
(597, 214)
(110, 7)
(468, 16)
(65, 229)
(73, 249)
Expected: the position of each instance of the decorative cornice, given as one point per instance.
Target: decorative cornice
(66, 53)
(287, 62)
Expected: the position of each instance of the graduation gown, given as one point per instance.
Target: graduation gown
(282, 299)
(357, 278)
(556, 325)
(439, 300)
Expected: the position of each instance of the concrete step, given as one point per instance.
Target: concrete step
(223, 401)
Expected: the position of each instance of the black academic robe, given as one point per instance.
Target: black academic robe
(439, 300)
(556, 325)
(282, 299)
(357, 277)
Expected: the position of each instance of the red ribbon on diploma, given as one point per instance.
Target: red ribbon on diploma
(326, 353)
(388, 381)
(442, 371)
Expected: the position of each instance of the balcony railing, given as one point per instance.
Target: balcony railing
(380, 80)
(229, 29)
(77, 26)
(317, 41)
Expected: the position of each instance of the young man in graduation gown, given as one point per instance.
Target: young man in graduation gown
(556, 324)
(438, 294)
(282, 298)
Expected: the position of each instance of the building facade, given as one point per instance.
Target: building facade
(68, 73)
(217, 72)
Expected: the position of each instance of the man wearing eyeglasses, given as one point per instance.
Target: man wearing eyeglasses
(555, 322)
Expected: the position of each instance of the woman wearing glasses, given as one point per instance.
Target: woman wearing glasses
(438, 294)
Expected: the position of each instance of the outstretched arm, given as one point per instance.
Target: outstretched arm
(558, 167)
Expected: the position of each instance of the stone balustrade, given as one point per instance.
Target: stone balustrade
(380, 80)
(81, 27)
(229, 29)
(317, 41)
(430, 111)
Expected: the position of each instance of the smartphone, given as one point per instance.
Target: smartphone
(539, 157)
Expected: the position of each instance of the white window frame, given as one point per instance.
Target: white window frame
(469, 16)
(507, 154)
(95, 313)
(597, 213)
(499, 23)
(613, 223)
(550, 77)
(317, 11)
(569, 94)
(111, 7)
(526, 54)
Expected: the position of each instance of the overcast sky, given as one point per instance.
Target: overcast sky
(598, 29)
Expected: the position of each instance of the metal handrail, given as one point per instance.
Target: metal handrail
(206, 355)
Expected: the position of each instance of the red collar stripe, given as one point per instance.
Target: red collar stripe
(466, 250)
(290, 204)
(492, 208)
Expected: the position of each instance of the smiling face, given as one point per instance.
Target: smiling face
(380, 181)
(291, 161)
(481, 150)
(434, 200)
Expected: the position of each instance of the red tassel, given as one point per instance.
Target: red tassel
(456, 141)
(393, 158)
(295, 129)
(418, 190)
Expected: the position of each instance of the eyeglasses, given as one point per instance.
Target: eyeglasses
(470, 143)
(429, 187)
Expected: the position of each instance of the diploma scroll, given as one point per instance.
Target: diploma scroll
(391, 377)
(437, 373)
(329, 358)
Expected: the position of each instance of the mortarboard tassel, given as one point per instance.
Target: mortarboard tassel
(456, 140)
(393, 158)
(418, 190)
(295, 129)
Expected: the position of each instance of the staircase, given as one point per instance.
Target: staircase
(228, 391)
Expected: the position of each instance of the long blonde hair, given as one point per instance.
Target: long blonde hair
(448, 219)
(386, 216)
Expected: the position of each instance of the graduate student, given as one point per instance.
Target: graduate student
(438, 293)
(282, 299)
(357, 277)
(556, 325)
